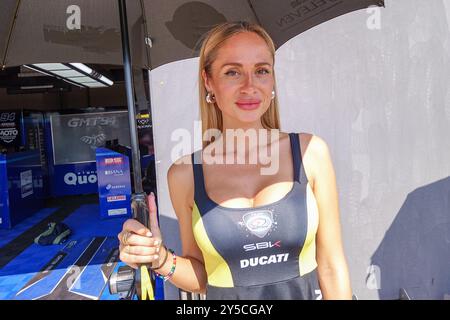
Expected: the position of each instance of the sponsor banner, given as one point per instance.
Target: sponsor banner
(21, 187)
(74, 179)
(10, 133)
(4, 211)
(76, 136)
(114, 183)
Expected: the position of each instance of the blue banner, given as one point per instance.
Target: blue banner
(114, 183)
(71, 141)
(4, 216)
(76, 136)
(73, 179)
(10, 130)
(22, 186)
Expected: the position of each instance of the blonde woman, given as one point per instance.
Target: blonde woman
(247, 233)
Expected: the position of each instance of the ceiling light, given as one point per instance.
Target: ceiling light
(50, 86)
(77, 74)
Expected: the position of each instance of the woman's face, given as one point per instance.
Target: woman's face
(242, 80)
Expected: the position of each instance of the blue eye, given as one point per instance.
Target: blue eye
(231, 73)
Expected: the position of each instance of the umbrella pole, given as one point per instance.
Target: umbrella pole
(142, 280)
(135, 156)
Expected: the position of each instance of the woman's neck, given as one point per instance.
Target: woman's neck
(244, 140)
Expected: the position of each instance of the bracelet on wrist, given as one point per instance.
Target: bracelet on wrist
(172, 269)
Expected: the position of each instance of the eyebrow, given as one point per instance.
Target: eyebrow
(240, 65)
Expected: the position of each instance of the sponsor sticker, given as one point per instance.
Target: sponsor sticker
(26, 183)
(112, 161)
(117, 172)
(117, 212)
(116, 198)
(115, 187)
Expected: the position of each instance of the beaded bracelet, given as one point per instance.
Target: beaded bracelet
(172, 269)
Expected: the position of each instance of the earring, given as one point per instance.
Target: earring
(273, 94)
(210, 98)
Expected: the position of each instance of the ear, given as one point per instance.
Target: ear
(206, 81)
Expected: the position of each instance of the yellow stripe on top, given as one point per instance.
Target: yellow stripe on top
(218, 271)
(307, 258)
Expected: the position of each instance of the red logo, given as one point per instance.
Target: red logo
(111, 161)
(116, 198)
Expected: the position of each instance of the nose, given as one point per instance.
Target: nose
(248, 84)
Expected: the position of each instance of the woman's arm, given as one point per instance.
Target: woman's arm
(140, 246)
(333, 272)
(190, 273)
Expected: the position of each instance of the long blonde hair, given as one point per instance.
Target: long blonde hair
(211, 115)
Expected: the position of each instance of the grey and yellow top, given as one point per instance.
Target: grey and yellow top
(264, 252)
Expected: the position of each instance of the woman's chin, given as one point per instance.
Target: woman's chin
(245, 118)
(246, 121)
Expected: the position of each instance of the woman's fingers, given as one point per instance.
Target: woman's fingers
(132, 225)
(137, 240)
(139, 251)
(153, 215)
(134, 259)
(137, 244)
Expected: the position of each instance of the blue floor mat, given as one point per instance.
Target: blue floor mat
(78, 269)
(7, 235)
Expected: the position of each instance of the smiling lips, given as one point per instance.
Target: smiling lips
(248, 104)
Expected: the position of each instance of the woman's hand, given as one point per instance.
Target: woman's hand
(139, 245)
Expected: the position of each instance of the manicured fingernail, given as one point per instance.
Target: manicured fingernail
(157, 243)
(157, 249)
(156, 256)
(148, 234)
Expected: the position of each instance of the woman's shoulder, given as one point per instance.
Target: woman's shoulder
(315, 145)
(312, 144)
(181, 169)
(315, 154)
(180, 179)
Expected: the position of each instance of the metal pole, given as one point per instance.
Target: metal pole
(142, 284)
(135, 155)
